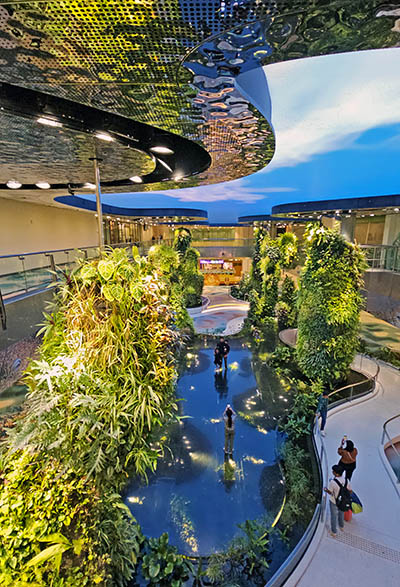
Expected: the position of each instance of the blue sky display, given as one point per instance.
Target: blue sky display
(337, 124)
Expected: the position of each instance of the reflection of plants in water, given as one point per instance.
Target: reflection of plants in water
(182, 522)
(245, 560)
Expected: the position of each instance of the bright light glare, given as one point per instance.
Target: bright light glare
(162, 150)
(14, 185)
(136, 179)
(43, 185)
(48, 121)
(103, 136)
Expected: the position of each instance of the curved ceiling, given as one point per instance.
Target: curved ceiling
(174, 63)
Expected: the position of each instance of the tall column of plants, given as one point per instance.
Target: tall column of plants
(99, 396)
(190, 277)
(329, 305)
(270, 257)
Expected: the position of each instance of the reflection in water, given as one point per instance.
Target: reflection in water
(221, 383)
(199, 495)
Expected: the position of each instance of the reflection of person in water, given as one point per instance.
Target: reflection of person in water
(229, 418)
(221, 383)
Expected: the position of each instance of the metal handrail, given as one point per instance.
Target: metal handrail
(47, 252)
(385, 433)
(371, 379)
(287, 567)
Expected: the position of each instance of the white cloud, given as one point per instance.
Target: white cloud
(322, 104)
(237, 190)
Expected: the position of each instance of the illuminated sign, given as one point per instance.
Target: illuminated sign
(216, 266)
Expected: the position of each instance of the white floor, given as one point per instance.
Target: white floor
(367, 554)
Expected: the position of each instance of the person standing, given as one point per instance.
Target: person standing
(224, 349)
(348, 454)
(322, 409)
(218, 357)
(229, 418)
(337, 515)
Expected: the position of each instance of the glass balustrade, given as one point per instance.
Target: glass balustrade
(383, 257)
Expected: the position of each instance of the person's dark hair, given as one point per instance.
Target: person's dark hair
(338, 469)
(229, 414)
(349, 445)
(325, 392)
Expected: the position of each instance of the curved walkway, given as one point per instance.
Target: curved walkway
(367, 553)
(224, 315)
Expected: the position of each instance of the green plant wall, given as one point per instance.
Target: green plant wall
(99, 396)
(329, 303)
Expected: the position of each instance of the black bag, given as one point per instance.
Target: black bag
(343, 500)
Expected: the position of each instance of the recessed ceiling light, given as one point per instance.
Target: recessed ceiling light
(165, 164)
(89, 186)
(396, 209)
(177, 176)
(162, 150)
(13, 185)
(372, 214)
(43, 185)
(104, 136)
(48, 121)
(136, 179)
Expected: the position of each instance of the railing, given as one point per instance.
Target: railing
(290, 563)
(286, 569)
(30, 271)
(384, 257)
(390, 440)
(353, 391)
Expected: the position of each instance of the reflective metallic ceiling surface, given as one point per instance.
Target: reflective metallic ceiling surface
(173, 63)
(60, 155)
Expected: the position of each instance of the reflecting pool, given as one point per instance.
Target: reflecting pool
(198, 495)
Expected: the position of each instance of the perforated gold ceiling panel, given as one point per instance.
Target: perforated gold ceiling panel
(173, 64)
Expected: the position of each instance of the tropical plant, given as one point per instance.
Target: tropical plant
(48, 519)
(288, 246)
(245, 560)
(300, 498)
(270, 257)
(99, 397)
(162, 565)
(288, 297)
(242, 290)
(329, 303)
(182, 240)
(300, 420)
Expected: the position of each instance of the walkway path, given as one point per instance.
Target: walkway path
(367, 554)
(224, 314)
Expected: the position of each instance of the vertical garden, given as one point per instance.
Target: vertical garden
(99, 396)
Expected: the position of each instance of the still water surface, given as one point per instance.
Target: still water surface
(198, 495)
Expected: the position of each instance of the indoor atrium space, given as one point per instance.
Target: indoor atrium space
(199, 293)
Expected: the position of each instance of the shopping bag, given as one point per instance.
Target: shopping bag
(347, 515)
(356, 504)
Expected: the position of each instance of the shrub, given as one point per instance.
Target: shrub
(283, 315)
(242, 290)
